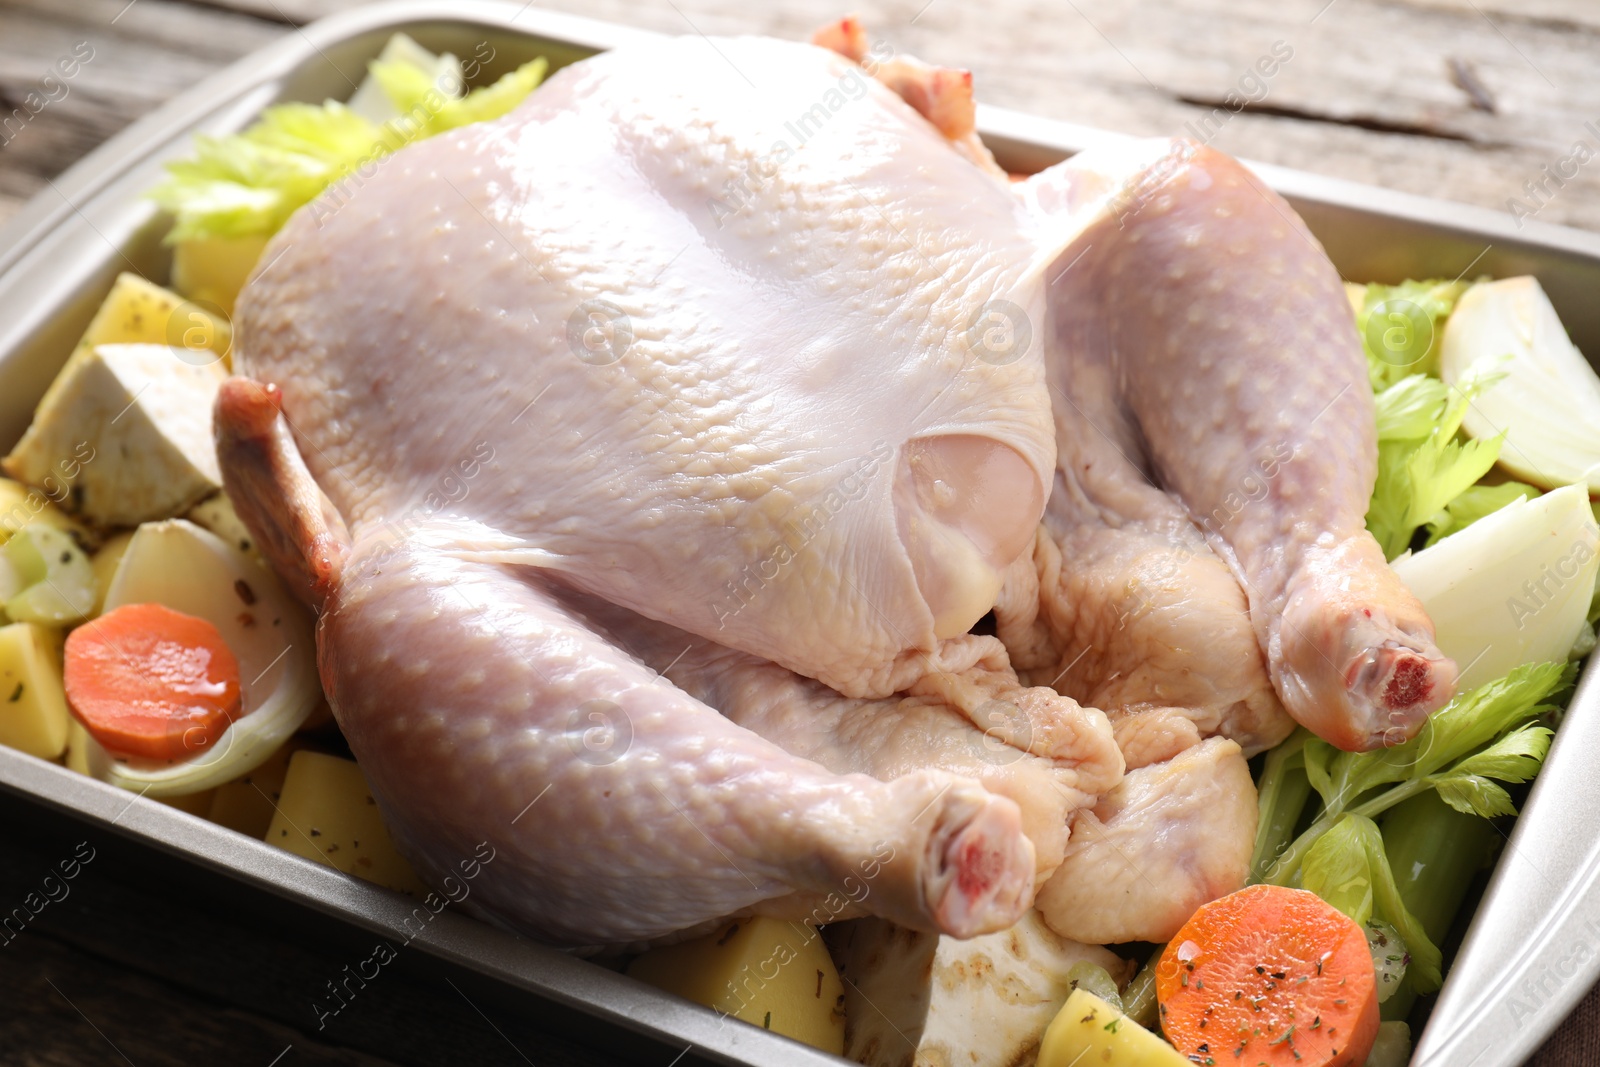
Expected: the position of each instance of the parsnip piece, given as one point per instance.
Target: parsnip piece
(770, 973)
(1087, 1030)
(33, 706)
(144, 411)
(916, 997)
(326, 813)
(1512, 588)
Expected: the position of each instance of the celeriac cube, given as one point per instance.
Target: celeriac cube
(144, 411)
(33, 705)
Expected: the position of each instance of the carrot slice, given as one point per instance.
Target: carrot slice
(1271, 976)
(148, 681)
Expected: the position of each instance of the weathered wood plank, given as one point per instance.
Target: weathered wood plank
(1373, 91)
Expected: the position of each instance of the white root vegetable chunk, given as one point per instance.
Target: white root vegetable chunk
(134, 421)
(1512, 588)
(1547, 400)
(920, 998)
(178, 564)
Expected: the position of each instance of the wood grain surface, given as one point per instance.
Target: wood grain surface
(1471, 100)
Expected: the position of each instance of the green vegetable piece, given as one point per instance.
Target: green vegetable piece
(1419, 477)
(1475, 503)
(1434, 851)
(46, 578)
(1495, 718)
(1095, 979)
(1349, 869)
(251, 182)
(1400, 327)
(1281, 795)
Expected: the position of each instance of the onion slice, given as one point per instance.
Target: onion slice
(189, 569)
(1547, 397)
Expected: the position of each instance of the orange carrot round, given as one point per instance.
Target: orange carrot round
(148, 681)
(1271, 976)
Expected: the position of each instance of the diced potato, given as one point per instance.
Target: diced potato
(1088, 1030)
(246, 804)
(326, 813)
(144, 414)
(216, 514)
(193, 803)
(104, 565)
(45, 577)
(212, 270)
(21, 505)
(33, 706)
(770, 973)
(141, 312)
(77, 754)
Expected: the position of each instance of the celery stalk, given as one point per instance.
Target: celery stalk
(1434, 851)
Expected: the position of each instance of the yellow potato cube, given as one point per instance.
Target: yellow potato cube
(77, 754)
(104, 565)
(326, 813)
(768, 972)
(247, 803)
(193, 803)
(1088, 1030)
(33, 706)
(212, 270)
(140, 312)
(21, 505)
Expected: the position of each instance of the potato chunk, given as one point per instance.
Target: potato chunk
(247, 803)
(33, 705)
(134, 421)
(1088, 1030)
(770, 973)
(212, 270)
(21, 505)
(141, 312)
(326, 813)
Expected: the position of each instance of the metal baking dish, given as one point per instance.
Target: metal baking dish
(1533, 948)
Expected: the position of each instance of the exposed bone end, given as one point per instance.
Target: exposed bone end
(981, 877)
(1358, 664)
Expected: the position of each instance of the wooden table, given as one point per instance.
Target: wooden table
(1470, 100)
